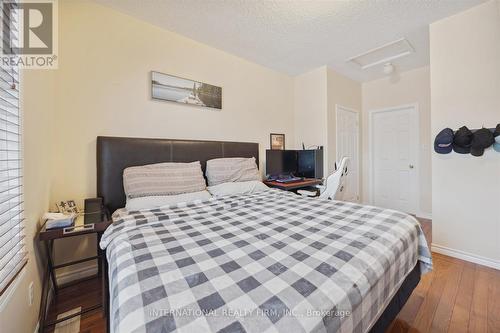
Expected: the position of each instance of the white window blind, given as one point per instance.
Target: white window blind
(13, 255)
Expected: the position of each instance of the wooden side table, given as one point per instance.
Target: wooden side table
(48, 236)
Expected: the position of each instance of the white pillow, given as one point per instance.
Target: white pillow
(162, 179)
(232, 169)
(157, 201)
(234, 188)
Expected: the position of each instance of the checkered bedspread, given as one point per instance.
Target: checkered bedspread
(268, 262)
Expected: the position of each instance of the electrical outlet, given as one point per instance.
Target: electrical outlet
(30, 293)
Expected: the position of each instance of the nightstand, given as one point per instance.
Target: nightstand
(48, 237)
(294, 186)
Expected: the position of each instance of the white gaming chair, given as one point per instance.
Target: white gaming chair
(336, 182)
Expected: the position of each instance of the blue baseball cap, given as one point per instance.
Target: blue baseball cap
(496, 134)
(443, 143)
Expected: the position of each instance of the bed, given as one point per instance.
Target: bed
(270, 261)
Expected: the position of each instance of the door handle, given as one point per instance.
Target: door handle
(411, 166)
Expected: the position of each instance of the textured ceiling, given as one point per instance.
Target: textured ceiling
(297, 36)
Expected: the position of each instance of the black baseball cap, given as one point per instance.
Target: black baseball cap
(481, 139)
(444, 141)
(462, 140)
(497, 131)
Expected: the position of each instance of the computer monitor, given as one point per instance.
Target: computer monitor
(310, 163)
(281, 162)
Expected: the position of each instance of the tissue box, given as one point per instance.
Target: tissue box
(58, 220)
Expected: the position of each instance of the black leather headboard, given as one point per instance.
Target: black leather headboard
(114, 154)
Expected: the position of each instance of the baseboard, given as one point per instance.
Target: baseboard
(76, 274)
(480, 260)
(425, 215)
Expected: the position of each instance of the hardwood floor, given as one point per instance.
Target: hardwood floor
(85, 294)
(457, 296)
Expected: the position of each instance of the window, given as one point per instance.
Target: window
(13, 255)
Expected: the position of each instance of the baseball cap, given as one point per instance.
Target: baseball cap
(443, 141)
(496, 135)
(462, 140)
(481, 139)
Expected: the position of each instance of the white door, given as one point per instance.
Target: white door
(394, 149)
(347, 129)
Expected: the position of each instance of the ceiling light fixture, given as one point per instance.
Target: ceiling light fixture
(388, 68)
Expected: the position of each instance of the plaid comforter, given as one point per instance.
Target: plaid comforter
(268, 262)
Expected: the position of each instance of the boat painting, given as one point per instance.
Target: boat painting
(172, 88)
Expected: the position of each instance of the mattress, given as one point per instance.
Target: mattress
(267, 262)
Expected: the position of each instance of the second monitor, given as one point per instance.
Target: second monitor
(299, 163)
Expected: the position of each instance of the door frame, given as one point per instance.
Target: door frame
(371, 178)
(337, 107)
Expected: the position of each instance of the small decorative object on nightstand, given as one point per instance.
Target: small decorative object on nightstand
(93, 209)
(47, 237)
(67, 207)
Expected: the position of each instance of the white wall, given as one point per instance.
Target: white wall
(465, 90)
(344, 92)
(104, 80)
(15, 313)
(310, 105)
(310, 110)
(316, 93)
(401, 89)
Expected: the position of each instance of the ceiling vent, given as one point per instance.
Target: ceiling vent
(383, 54)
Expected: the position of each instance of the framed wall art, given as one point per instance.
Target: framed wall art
(176, 89)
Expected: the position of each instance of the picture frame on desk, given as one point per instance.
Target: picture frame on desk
(277, 141)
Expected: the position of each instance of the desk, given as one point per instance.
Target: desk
(293, 186)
